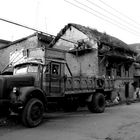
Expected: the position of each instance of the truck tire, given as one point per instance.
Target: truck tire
(97, 104)
(32, 113)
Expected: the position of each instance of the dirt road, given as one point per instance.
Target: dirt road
(117, 123)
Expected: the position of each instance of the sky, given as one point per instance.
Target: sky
(51, 16)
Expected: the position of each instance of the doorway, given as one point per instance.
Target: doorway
(126, 90)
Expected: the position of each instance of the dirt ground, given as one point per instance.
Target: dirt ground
(120, 122)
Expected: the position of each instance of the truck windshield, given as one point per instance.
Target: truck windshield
(26, 68)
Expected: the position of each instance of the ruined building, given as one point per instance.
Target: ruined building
(98, 54)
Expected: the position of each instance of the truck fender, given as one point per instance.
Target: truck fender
(27, 93)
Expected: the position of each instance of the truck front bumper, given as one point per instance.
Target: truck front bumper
(16, 106)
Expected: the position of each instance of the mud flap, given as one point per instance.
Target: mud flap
(89, 99)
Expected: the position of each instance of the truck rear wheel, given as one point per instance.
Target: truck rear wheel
(97, 104)
(33, 113)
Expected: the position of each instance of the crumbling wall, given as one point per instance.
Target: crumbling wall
(74, 35)
(85, 65)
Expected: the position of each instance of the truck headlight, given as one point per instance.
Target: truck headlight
(16, 90)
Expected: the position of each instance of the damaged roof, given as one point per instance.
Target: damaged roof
(100, 37)
(4, 41)
(42, 37)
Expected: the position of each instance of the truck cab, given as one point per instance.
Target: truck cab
(48, 77)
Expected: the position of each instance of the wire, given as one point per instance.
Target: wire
(112, 14)
(86, 10)
(33, 29)
(122, 25)
(120, 13)
(99, 17)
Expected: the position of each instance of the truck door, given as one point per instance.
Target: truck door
(55, 79)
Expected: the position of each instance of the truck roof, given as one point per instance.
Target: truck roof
(29, 62)
(40, 62)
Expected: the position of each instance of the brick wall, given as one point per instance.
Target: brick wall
(30, 42)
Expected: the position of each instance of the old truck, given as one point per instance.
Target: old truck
(42, 77)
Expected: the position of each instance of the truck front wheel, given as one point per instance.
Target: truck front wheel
(33, 113)
(97, 104)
